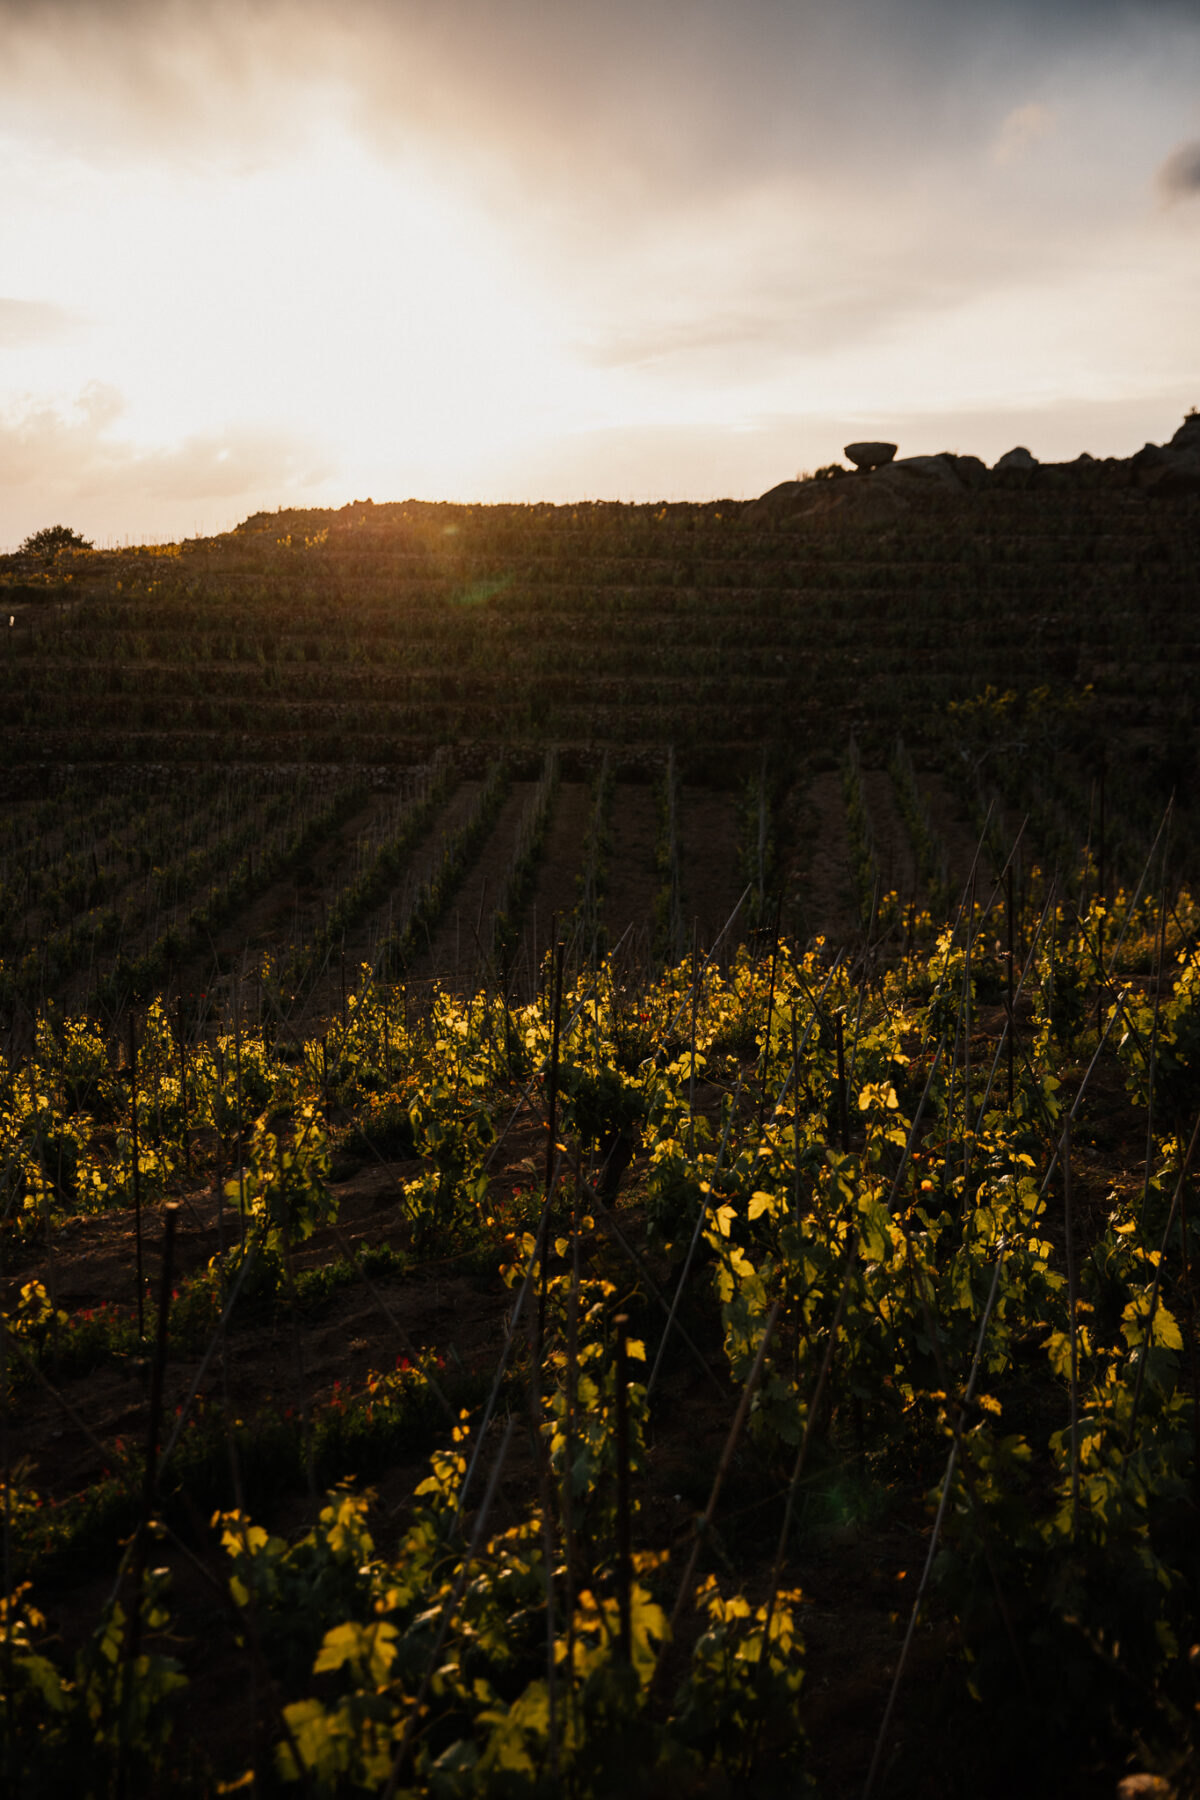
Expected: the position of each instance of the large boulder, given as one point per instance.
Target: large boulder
(972, 471)
(876, 496)
(1188, 435)
(867, 456)
(1020, 458)
(910, 472)
(778, 503)
(853, 504)
(794, 505)
(1178, 476)
(1170, 471)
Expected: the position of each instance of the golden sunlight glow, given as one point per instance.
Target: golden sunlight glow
(366, 309)
(296, 258)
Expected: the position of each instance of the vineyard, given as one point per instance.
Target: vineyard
(599, 1109)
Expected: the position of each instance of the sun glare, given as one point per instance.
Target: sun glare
(368, 310)
(247, 267)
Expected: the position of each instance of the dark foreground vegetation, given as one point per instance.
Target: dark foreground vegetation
(598, 1117)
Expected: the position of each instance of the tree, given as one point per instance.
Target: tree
(53, 538)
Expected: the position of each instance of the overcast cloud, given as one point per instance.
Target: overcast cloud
(75, 463)
(1179, 176)
(33, 322)
(714, 214)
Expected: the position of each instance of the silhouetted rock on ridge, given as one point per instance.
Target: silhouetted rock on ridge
(885, 485)
(1188, 435)
(843, 500)
(868, 456)
(953, 473)
(1018, 458)
(1164, 471)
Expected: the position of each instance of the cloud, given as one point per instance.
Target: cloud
(700, 198)
(1023, 127)
(216, 466)
(1179, 176)
(73, 459)
(25, 322)
(793, 313)
(588, 130)
(624, 102)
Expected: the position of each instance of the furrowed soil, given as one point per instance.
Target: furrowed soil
(897, 866)
(822, 897)
(632, 877)
(710, 864)
(556, 892)
(459, 951)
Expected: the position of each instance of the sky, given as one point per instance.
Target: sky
(295, 253)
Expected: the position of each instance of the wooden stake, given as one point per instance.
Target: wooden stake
(692, 1040)
(552, 1076)
(568, 1495)
(766, 1062)
(237, 1050)
(967, 1045)
(735, 1432)
(183, 1089)
(843, 1117)
(1100, 873)
(136, 1173)
(149, 1489)
(624, 1563)
(551, 1149)
(1068, 1231)
(1153, 1064)
(1191, 1337)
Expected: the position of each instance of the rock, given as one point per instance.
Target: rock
(1020, 458)
(972, 470)
(869, 456)
(777, 503)
(1169, 471)
(928, 471)
(1178, 476)
(945, 471)
(794, 504)
(1188, 435)
(851, 503)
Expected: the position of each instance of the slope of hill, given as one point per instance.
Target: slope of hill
(448, 955)
(1025, 645)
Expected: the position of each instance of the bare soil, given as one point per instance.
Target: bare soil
(632, 877)
(460, 950)
(819, 890)
(960, 840)
(556, 891)
(893, 851)
(286, 910)
(710, 864)
(362, 943)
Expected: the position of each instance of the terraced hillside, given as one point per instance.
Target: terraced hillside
(621, 1029)
(299, 738)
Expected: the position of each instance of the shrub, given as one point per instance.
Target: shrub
(54, 538)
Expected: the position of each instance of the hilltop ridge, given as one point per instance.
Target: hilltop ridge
(881, 490)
